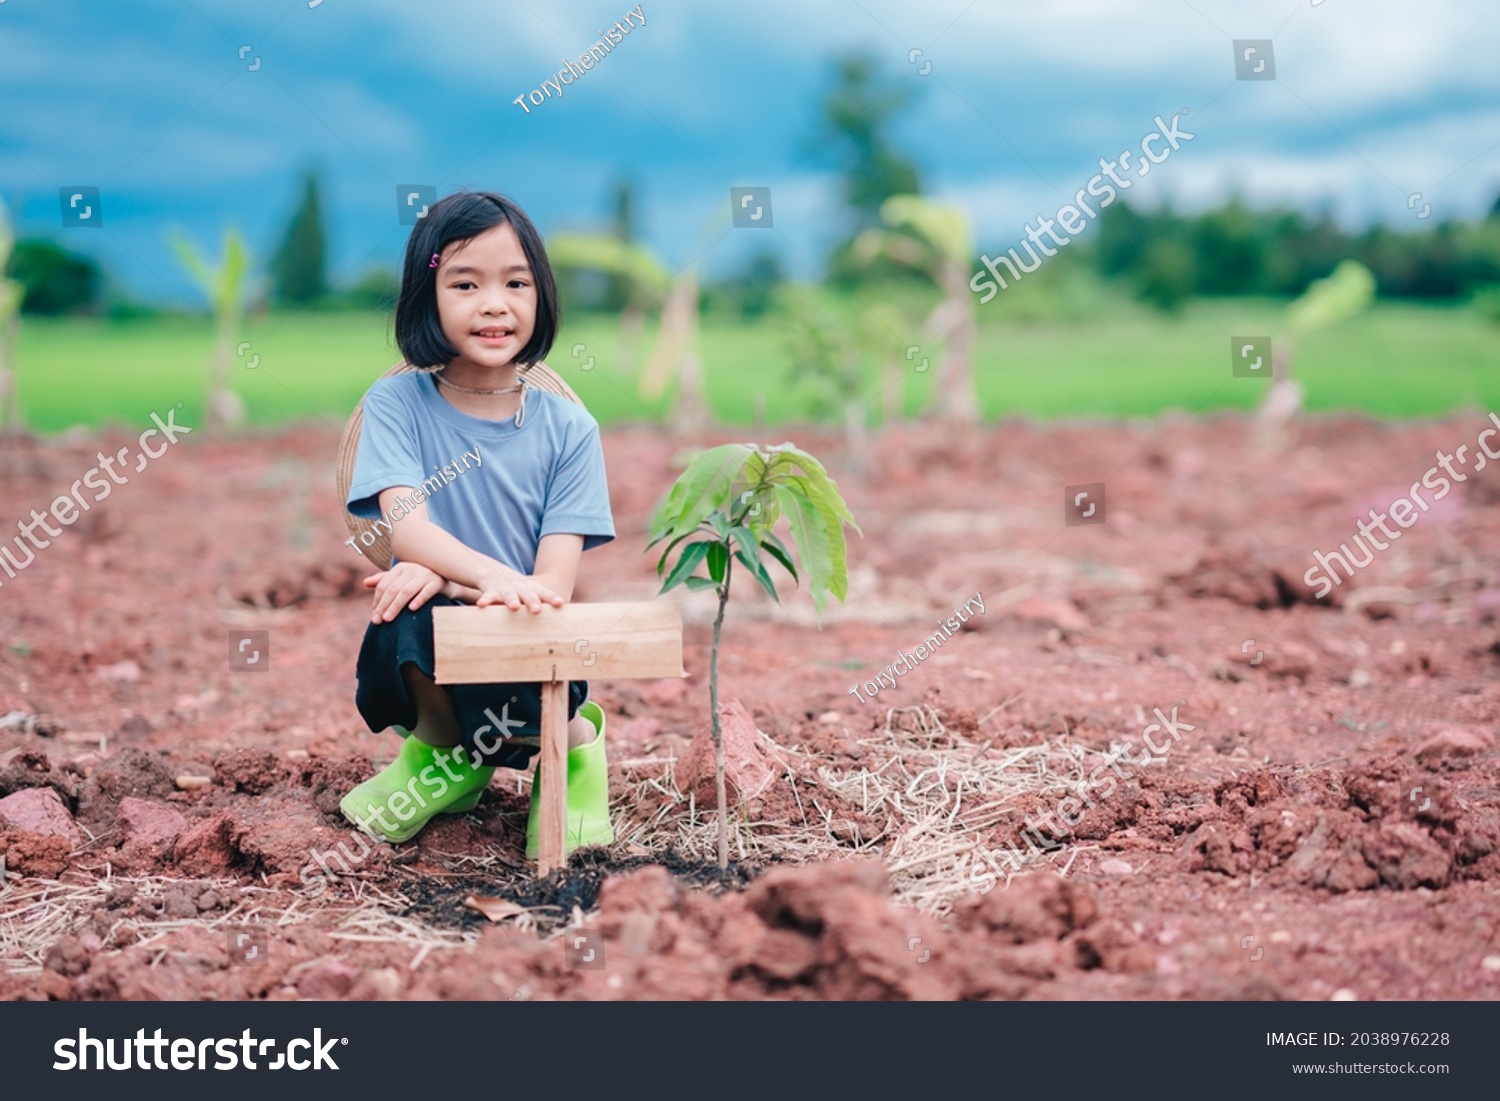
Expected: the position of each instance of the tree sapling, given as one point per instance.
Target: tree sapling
(724, 508)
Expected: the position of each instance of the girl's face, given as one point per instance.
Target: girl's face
(486, 298)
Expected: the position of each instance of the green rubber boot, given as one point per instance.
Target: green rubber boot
(588, 793)
(421, 783)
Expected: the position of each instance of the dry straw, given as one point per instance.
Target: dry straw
(938, 794)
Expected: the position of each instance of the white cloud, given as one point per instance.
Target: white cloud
(705, 96)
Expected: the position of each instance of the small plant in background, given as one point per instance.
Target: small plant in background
(936, 240)
(222, 285)
(1346, 293)
(723, 509)
(627, 271)
(828, 363)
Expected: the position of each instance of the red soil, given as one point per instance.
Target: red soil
(1330, 823)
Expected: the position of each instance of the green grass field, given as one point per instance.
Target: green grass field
(1397, 360)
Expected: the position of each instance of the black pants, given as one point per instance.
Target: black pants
(500, 723)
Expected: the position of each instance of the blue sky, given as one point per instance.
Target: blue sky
(150, 101)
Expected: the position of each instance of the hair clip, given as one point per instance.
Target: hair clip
(434, 261)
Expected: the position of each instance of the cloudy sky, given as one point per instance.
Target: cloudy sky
(151, 101)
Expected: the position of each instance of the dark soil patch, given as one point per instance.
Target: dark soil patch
(439, 900)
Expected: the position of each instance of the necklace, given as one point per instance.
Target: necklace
(519, 388)
(470, 390)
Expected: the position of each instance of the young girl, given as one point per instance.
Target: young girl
(493, 491)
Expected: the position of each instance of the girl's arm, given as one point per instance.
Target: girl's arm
(415, 538)
(557, 559)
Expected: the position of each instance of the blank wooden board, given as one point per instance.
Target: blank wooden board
(496, 645)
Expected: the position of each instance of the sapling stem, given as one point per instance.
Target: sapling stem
(713, 704)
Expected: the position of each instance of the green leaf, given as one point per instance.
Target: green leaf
(756, 509)
(703, 486)
(770, 512)
(758, 571)
(606, 253)
(944, 226)
(822, 487)
(810, 535)
(1342, 295)
(232, 274)
(738, 492)
(691, 556)
(838, 571)
(718, 562)
(753, 503)
(778, 549)
(744, 539)
(755, 467)
(664, 554)
(188, 257)
(749, 554)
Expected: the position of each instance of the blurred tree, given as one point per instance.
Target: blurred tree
(1487, 302)
(936, 240)
(1479, 253)
(222, 286)
(11, 292)
(751, 291)
(857, 116)
(54, 281)
(1124, 234)
(1235, 250)
(1229, 244)
(623, 205)
(1167, 274)
(1296, 251)
(298, 268)
(377, 289)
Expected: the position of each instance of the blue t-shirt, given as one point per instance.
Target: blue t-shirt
(495, 487)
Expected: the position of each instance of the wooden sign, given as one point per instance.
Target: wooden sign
(497, 645)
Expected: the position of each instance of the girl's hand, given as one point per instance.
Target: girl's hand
(514, 590)
(406, 584)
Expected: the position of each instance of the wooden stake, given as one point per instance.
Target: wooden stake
(552, 772)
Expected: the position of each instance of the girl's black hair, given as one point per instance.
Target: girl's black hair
(463, 216)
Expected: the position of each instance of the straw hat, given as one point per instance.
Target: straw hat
(538, 376)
